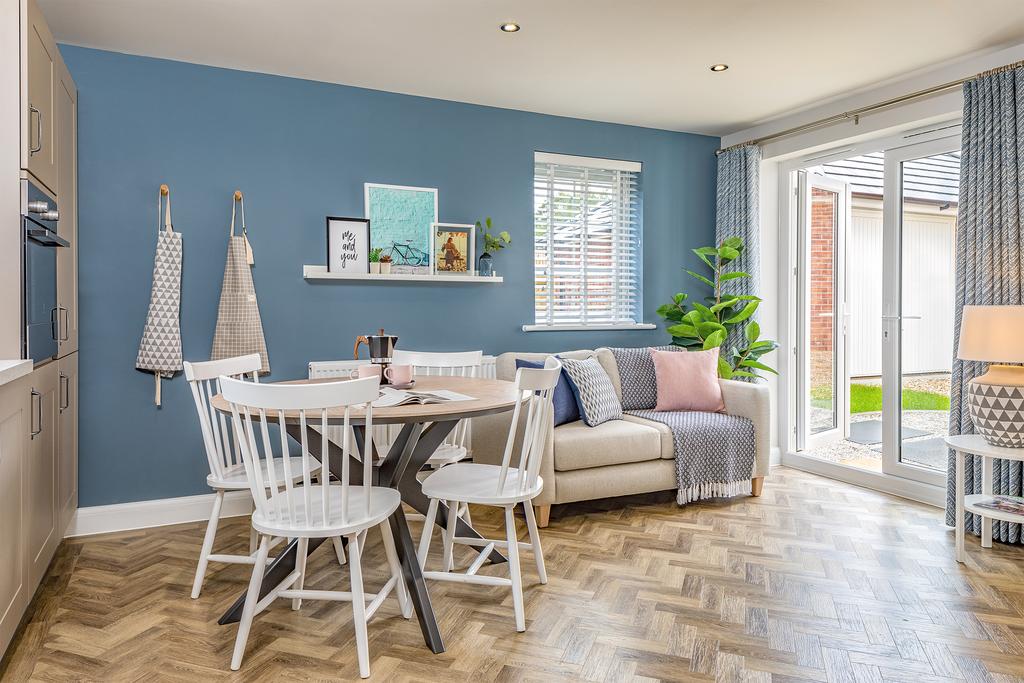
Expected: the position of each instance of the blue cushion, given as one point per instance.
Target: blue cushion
(566, 409)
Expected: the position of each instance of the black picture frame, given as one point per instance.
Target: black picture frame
(360, 265)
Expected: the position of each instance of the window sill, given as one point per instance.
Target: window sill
(588, 328)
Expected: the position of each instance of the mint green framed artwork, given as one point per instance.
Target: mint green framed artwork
(400, 224)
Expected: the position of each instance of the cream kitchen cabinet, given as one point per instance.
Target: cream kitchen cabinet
(38, 480)
(67, 199)
(42, 525)
(15, 588)
(67, 439)
(39, 89)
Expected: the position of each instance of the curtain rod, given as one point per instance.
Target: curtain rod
(855, 114)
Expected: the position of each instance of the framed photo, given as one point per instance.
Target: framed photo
(454, 249)
(402, 218)
(348, 245)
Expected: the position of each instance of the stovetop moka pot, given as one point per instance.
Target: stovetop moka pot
(380, 345)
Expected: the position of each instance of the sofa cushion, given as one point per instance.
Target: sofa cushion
(668, 449)
(595, 394)
(688, 381)
(564, 400)
(616, 442)
(637, 380)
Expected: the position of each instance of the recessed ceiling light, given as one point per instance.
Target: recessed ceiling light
(509, 27)
(719, 67)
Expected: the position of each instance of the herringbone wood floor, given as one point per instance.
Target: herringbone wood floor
(816, 580)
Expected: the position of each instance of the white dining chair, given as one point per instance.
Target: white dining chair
(342, 369)
(445, 364)
(227, 472)
(312, 510)
(505, 486)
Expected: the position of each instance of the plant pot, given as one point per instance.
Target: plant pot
(375, 268)
(385, 268)
(485, 265)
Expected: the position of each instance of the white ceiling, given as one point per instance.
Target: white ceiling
(642, 62)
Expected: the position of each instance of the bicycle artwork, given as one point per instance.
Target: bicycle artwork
(400, 224)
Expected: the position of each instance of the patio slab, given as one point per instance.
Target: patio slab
(869, 432)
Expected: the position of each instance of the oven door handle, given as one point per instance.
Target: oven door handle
(45, 237)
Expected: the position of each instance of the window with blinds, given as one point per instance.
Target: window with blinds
(586, 242)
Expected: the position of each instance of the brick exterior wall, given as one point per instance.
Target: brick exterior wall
(822, 286)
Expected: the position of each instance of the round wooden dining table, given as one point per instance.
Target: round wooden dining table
(424, 428)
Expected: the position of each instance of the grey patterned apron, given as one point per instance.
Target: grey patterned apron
(239, 327)
(160, 348)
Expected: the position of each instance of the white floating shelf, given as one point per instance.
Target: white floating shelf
(311, 272)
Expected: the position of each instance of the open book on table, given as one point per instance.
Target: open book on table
(390, 398)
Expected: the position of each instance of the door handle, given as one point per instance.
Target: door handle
(62, 324)
(37, 412)
(54, 325)
(39, 131)
(65, 392)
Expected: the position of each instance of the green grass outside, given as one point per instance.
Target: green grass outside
(867, 398)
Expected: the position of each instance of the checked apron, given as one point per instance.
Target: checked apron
(239, 327)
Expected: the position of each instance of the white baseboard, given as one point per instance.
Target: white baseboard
(105, 519)
(775, 456)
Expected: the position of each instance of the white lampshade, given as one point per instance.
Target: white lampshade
(993, 334)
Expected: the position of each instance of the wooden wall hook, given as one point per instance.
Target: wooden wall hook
(164, 190)
(238, 195)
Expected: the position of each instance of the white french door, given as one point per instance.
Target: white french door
(823, 208)
(917, 303)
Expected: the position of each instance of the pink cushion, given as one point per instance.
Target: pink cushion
(688, 381)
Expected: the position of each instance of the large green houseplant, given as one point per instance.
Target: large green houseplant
(697, 326)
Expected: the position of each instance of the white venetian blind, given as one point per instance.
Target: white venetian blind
(586, 241)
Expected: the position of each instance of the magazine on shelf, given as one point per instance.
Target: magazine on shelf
(390, 398)
(1011, 504)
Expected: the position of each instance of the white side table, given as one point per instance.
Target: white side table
(974, 444)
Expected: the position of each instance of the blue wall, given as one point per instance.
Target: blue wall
(301, 150)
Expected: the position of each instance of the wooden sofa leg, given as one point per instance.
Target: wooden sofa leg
(755, 486)
(543, 513)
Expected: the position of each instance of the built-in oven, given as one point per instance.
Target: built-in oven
(41, 317)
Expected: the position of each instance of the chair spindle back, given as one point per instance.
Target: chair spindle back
(313, 405)
(537, 387)
(444, 364)
(219, 442)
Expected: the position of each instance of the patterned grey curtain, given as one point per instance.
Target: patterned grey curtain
(736, 210)
(989, 239)
(736, 215)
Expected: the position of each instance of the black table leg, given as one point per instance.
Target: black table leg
(401, 473)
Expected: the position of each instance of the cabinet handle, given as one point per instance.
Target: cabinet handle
(37, 412)
(62, 324)
(39, 130)
(65, 392)
(54, 325)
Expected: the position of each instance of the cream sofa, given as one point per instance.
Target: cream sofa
(619, 457)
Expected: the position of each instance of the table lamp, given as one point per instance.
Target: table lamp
(995, 335)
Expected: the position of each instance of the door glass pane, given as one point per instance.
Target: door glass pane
(824, 381)
(930, 193)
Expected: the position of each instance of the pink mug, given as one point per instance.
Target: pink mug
(398, 374)
(365, 371)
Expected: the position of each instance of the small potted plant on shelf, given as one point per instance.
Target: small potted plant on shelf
(493, 242)
(385, 264)
(375, 260)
